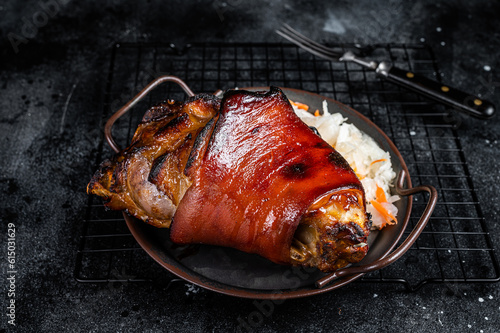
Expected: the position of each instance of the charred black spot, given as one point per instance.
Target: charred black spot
(156, 167)
(209, 98)
(256, 129)
(333, 230)
(159, 111)
(359, 230)
(337, 159)
(198, 143)
(297, 171)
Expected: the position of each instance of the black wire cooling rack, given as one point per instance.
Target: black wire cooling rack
(455, 246)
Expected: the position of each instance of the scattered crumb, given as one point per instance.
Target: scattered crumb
(486, 318)
(192, 289)
(469, 325)
(424, 308)
(375, 295)
(487, 141)
(490, 297)
(487, 68)
(438, 29)
(443, 43)
(481, 300)
(413, 133)
(422, 39)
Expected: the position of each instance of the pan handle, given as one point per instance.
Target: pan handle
(405, 246)
(153, 84)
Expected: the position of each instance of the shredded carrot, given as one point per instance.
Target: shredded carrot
(376, 161)
(389, 218)
(316, 113)
(358, 175)
(299, 105)
(380, 195)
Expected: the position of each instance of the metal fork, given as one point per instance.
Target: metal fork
(452, 97)
(321, 50)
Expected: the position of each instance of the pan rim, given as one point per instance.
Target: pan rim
(136, 228)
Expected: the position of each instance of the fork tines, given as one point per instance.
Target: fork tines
(307, 44)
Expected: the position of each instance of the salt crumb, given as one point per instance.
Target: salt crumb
(192, 289)
(422, 39)
(490, 297)
(486, 318)
(469, 325)
(413, 133)
(487, 141)
(449, 251)
(465, 294)
(424, 307)
(481, 300)
(443, 43)
(487, 68)
(438, 29)
(375, 295)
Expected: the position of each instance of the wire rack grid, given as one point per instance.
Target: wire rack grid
(455, 246)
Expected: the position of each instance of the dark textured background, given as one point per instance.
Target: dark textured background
(47, 132)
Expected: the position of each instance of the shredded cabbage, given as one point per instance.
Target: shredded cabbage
(371, 163)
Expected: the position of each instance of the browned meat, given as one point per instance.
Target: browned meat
(149, 178)
(244, 172)
(269, 185)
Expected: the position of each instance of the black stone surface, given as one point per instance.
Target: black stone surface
(51, 91)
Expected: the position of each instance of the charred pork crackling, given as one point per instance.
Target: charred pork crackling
(242, 172)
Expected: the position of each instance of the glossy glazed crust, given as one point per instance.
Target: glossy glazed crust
(148, 178)
(261, 171)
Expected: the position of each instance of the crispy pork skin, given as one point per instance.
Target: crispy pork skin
(149, 178)
(267, 184)
(244, 172)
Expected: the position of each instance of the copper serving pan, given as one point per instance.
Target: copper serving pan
(232, 272)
